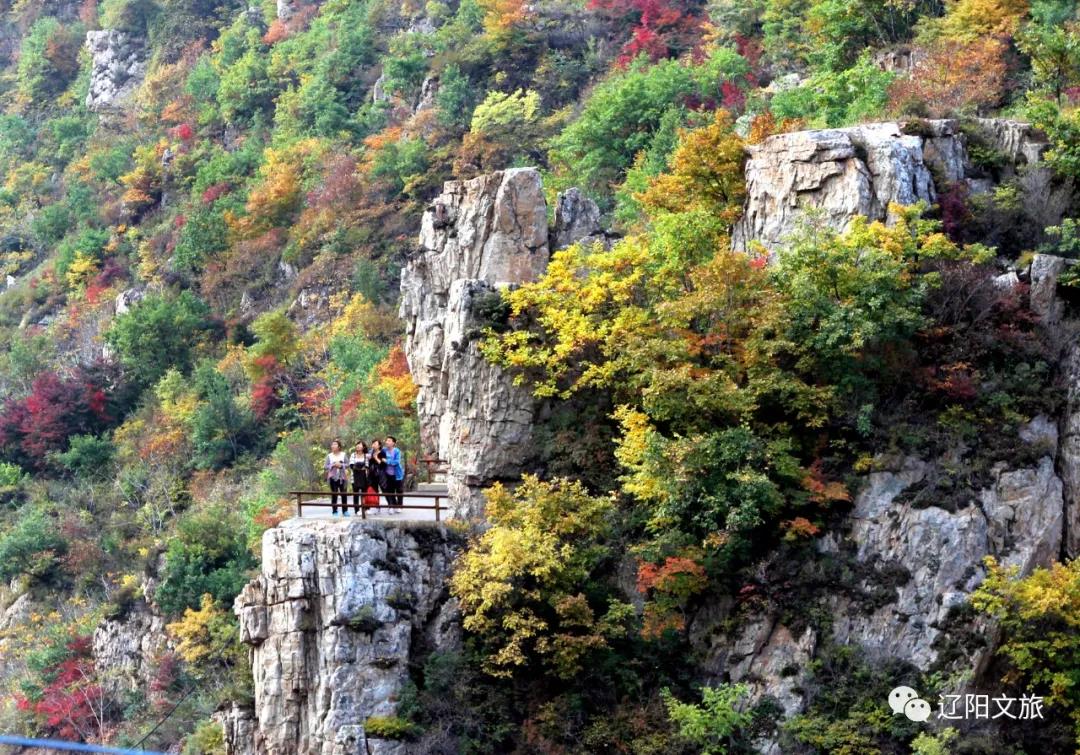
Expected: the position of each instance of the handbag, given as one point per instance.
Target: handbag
(371, 498)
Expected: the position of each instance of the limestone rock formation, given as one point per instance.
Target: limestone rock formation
(847, 172)
(1017, 520)
(337, 612)
(125, 649)
(118, 67)
(577, 218)
(477, 237)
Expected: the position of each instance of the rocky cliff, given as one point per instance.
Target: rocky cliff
(118, 66)
(477, 238)
(898, 572)
(330, 630)
(847, 172)
(336, 614)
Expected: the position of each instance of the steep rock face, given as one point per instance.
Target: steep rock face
(333, 619)
(118, 67)
(1018, 520)
(843, 173)
(476, 238)
(913, 566)
(125, 649)
(847, 172)
(577, 218)
(1069, 456)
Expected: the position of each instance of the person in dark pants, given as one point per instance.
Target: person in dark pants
(395, 473)
(377, 468)
(336, 465)
(358, 463)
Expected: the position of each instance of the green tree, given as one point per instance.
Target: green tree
(222, 429)
(159, 333)
(48, 59)
(619, 120)
(837, 98)
(208, 555)
(88, 457)
(32, 548)
(711, 724)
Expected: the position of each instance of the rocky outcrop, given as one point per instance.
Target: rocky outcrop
(577, 218)
(118, 65)
(476, 238)
(335, 616)
(1018, 142)
(1069, 457)
(126, 650)
(1018, 520)
(858, 171)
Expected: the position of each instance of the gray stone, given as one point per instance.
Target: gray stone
(577, 218)
(127, 299)
(1017, 520)
(1045, 269)
(127, 650)
(476, 238)
(332, 619)
(1069, 451)
(118, 66)
(838, 173)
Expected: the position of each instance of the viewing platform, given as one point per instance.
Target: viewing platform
(428, 501)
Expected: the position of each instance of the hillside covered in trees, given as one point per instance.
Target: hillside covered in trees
(205, 208)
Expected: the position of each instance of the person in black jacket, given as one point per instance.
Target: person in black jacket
(377, 469)
(358, 464)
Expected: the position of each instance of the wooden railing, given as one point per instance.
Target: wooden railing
(303, 500)
(427, 467)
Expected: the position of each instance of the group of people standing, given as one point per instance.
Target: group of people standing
(374, 470)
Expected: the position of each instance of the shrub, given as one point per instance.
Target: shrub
(48, 59)
(207, 739)
(390, 727)
(158, 333)
(209, 555)
(88, 457)
(548, 535)
(32, 548)
(710, 724)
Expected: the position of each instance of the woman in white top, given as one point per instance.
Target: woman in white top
(336, 467)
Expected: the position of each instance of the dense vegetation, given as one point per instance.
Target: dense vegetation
(731, 404)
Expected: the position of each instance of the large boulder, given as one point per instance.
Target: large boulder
(840, 173)
(477, 238)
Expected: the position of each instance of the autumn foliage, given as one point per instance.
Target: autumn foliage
(953, 77)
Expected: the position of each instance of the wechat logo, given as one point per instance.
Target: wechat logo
(907, 701)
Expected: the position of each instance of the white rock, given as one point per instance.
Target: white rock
(477, 237)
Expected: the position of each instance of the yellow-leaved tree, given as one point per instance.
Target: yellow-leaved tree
(1040, 616)
(522, 583)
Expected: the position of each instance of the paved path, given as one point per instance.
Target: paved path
(383, 512)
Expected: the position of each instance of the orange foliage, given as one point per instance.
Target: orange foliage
(658, 621)
(315, 402)
(799, 528)
(952, 78)
(765, 125)
(502, 16)
(277, 32)
(394, 373)
(823, 491)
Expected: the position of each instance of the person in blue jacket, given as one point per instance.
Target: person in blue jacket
(395, 473)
